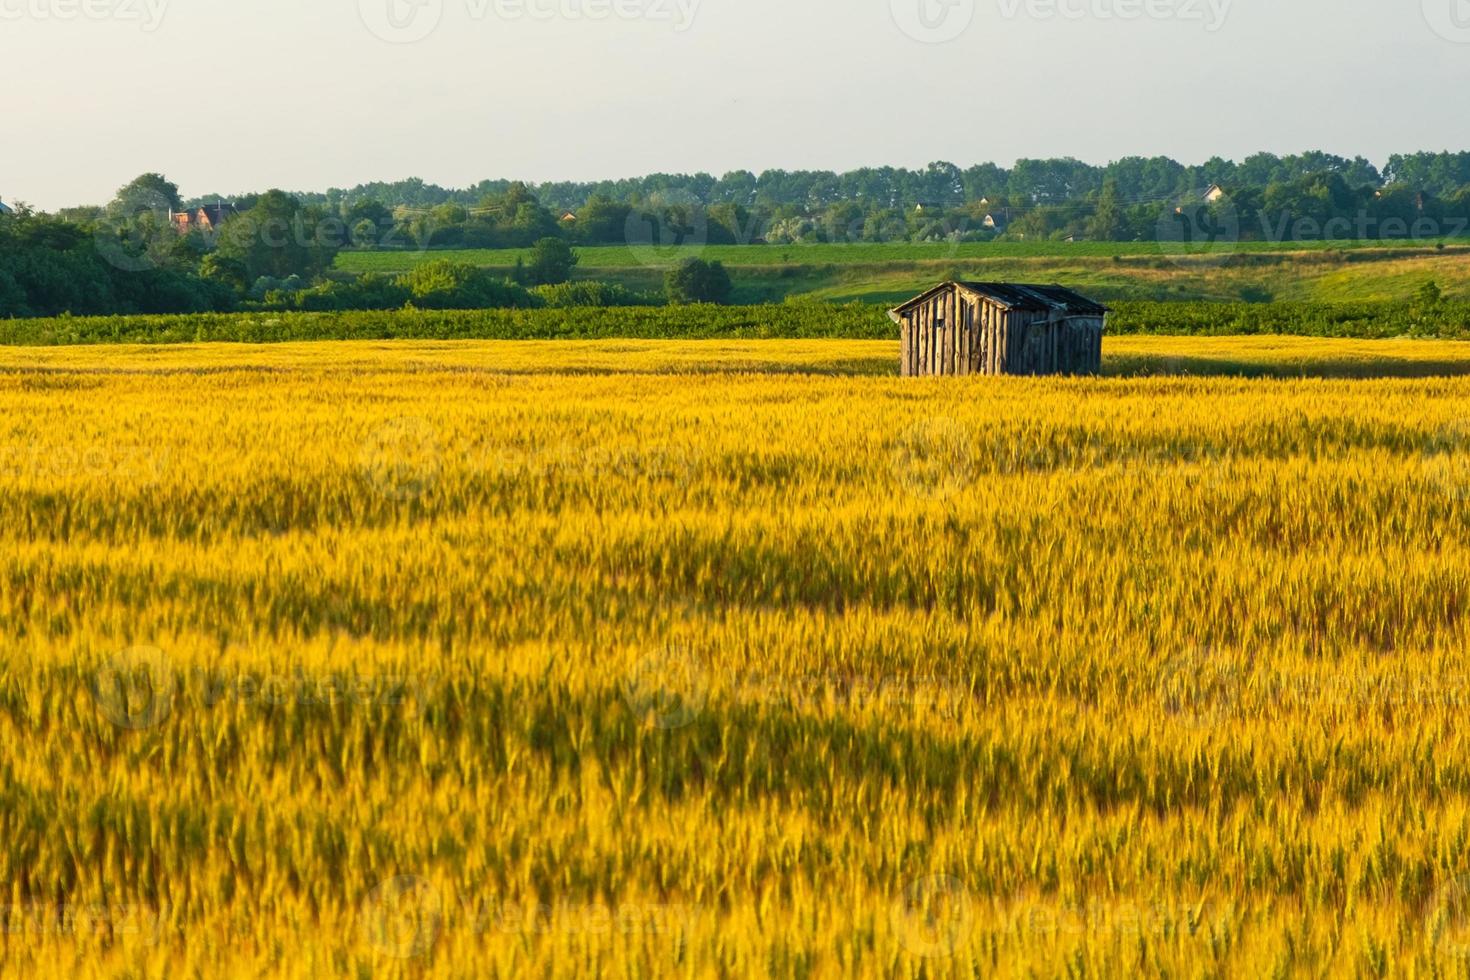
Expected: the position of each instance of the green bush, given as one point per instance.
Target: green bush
(786, 320)
(697, 281)
(552, 262)
(1366, 320)
(790, 320)
(444, 285)
(367, 292)
(590, 293)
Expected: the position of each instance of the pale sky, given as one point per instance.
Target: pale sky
(239, 95)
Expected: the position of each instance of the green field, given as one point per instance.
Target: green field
(1257, 272)
(625, 256)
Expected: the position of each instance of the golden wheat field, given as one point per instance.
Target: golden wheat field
(700, 659)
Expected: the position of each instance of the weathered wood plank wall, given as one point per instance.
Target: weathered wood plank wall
(955, 333)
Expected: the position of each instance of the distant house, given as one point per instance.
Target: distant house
(206, 219)
(1214, 193)
(6, 209)
(993, 223)
(568, 217)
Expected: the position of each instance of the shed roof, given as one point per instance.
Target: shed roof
(1021, 296)
(1025, 296)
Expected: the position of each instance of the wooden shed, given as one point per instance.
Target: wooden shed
(1000, 328)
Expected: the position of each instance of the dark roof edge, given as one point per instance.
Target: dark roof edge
(1012, 296)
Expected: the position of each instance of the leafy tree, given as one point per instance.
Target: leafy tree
(732, 224)
(149, 192)
(516, 195)
(1038, 224)
(279, 238)
(885, 226)
(532, 223)
(49, 266)
(1108, 224)
(440, 227)
(370, 220)
(230, 272)
(365, 234)
(602, 221)
(13, 299)
(738, 187)
(552, 261)
(134, 232)
(698, 281)
(843, 222)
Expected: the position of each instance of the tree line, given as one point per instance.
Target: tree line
(1036, 181)
(1306, 196)
(274, 251)
(276, 248)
